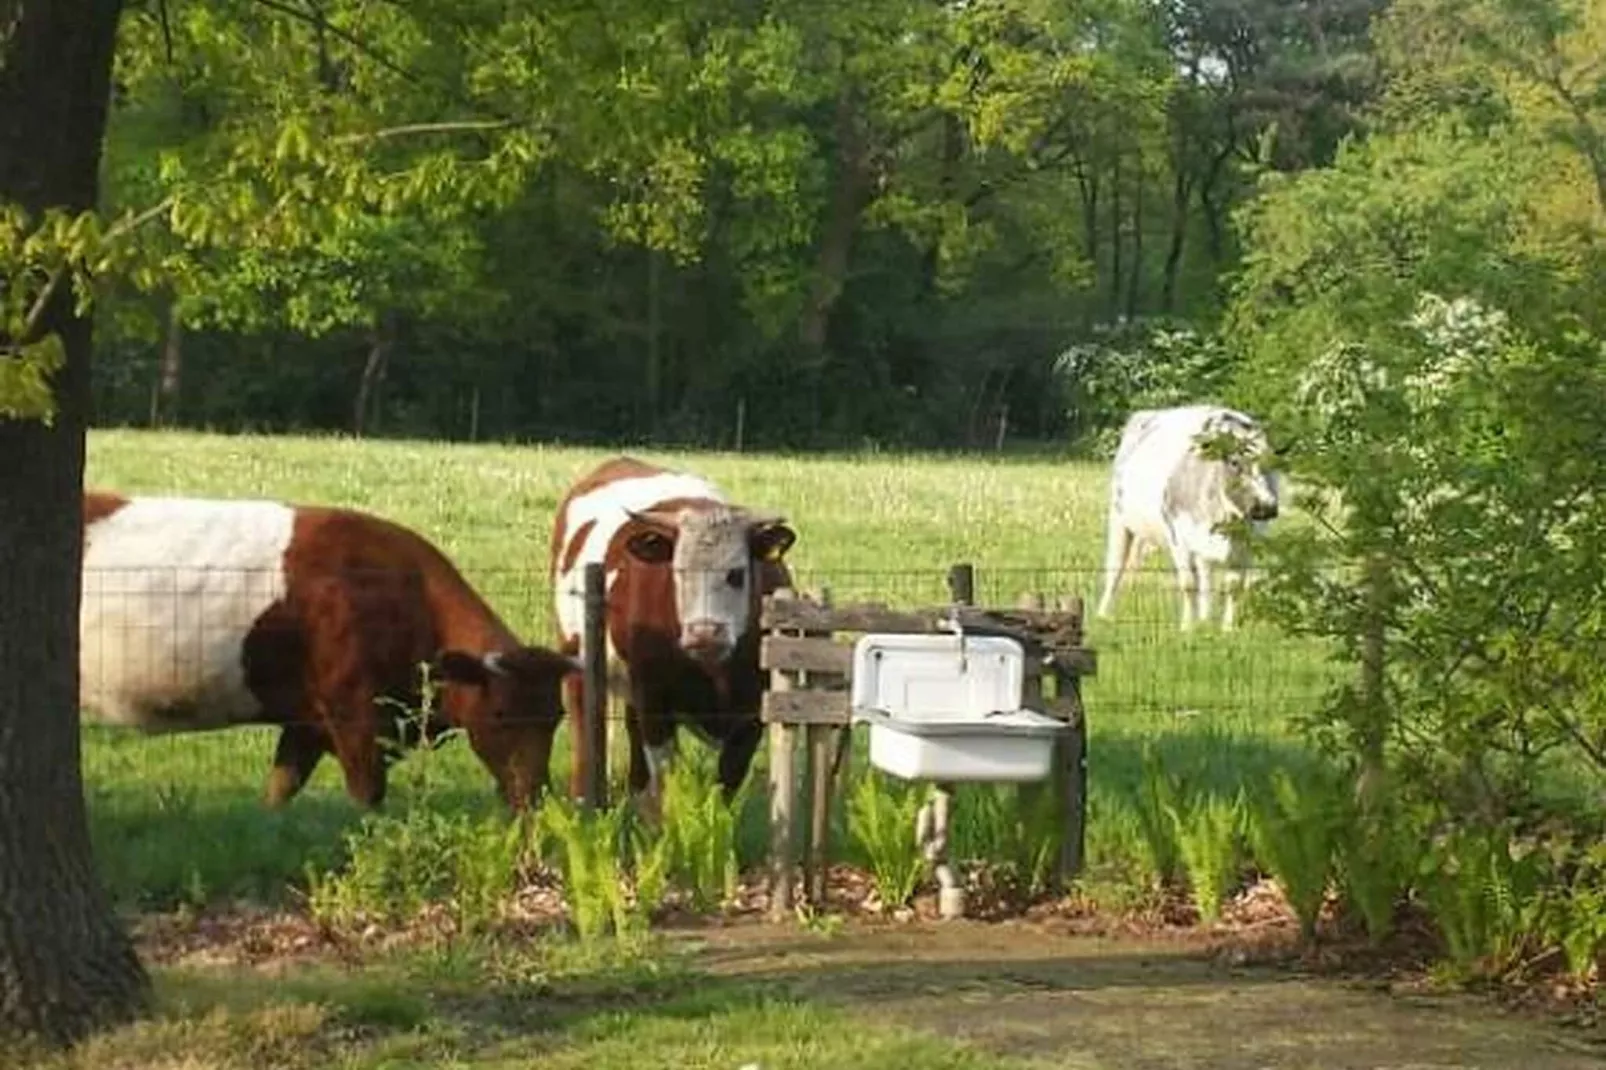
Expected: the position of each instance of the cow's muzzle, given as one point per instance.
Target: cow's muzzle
(1263, 511)
(706, 641)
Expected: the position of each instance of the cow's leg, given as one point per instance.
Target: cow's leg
(1233, 583)
(736, 756)
(1118, 546)
(1187, 580)
(357, 748)
(1201, 568)
(300, 747)
(658, 744)
(638, 756)
(574, 700)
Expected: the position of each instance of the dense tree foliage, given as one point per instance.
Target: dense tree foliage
(1425, 311)
(843, 221)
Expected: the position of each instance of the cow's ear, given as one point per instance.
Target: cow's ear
(538, 663)
(457, 667)
(771, 539)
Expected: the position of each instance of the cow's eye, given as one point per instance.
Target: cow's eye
(736, 577)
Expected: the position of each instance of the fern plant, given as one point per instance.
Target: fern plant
(698, 837)
(881, 821)
(1376, 848)
(1208, 841)
(1158, 791)
(1294, 830)
(1016, 827)
(1484, 898)
(586, 845)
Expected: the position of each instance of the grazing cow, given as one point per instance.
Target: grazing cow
(205, 614)
(1167, 490)
(686, 570)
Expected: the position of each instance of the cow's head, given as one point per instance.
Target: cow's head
(517, 704)
(715, 554)
(1251, 485)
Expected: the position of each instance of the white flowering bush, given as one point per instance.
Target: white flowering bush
(1106, 377)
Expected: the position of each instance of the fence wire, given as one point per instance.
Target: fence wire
(182, 635)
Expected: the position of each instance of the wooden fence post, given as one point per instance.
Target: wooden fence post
(783, 788)
(820, 768)
(1072, 766)
(592, 740)
(962, 584)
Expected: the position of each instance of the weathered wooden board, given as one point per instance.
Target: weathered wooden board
(806, 707)
(790, 653)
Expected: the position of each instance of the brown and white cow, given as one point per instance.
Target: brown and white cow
(686, 570)
(202, 614)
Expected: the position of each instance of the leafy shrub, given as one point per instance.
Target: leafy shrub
(881, 821)
(1144, 365)
(399, 864)
(400, 861)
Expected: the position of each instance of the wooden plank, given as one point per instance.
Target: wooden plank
(1078, 659)
(792, 653)
(784, 614)
(806, 707)
(1052, 629)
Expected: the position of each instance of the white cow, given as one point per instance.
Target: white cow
(1165, 490)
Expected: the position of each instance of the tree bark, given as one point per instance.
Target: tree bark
(1115, 236)
(66, 965)
(382, 341)
(172, 370)
(1181, 197)
(848, 196)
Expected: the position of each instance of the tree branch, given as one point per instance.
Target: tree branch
(41, 304)
(458, 126)
(318, 22)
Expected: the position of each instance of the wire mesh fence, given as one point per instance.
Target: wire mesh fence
(194, 643)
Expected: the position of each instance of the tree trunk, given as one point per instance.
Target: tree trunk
(380, 344)
(655, 357)
(172, 370)
(66, 965)
(848, 195)
(1134, 279)
(1181, 197)
(1115, 237)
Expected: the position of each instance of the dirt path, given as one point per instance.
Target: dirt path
(1087, 1003)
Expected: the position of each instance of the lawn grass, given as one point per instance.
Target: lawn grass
(179, 817)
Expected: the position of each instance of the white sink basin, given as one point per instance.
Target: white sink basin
(948, 709)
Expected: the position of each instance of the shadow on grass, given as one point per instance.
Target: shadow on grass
(946, 996)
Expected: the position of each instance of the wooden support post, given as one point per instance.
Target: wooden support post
(962, 584)
(783, 792)
(820, 765)
(819, 737)
(592, 741)
(1071, 771)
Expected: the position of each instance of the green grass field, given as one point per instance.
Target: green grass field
(178, 817)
